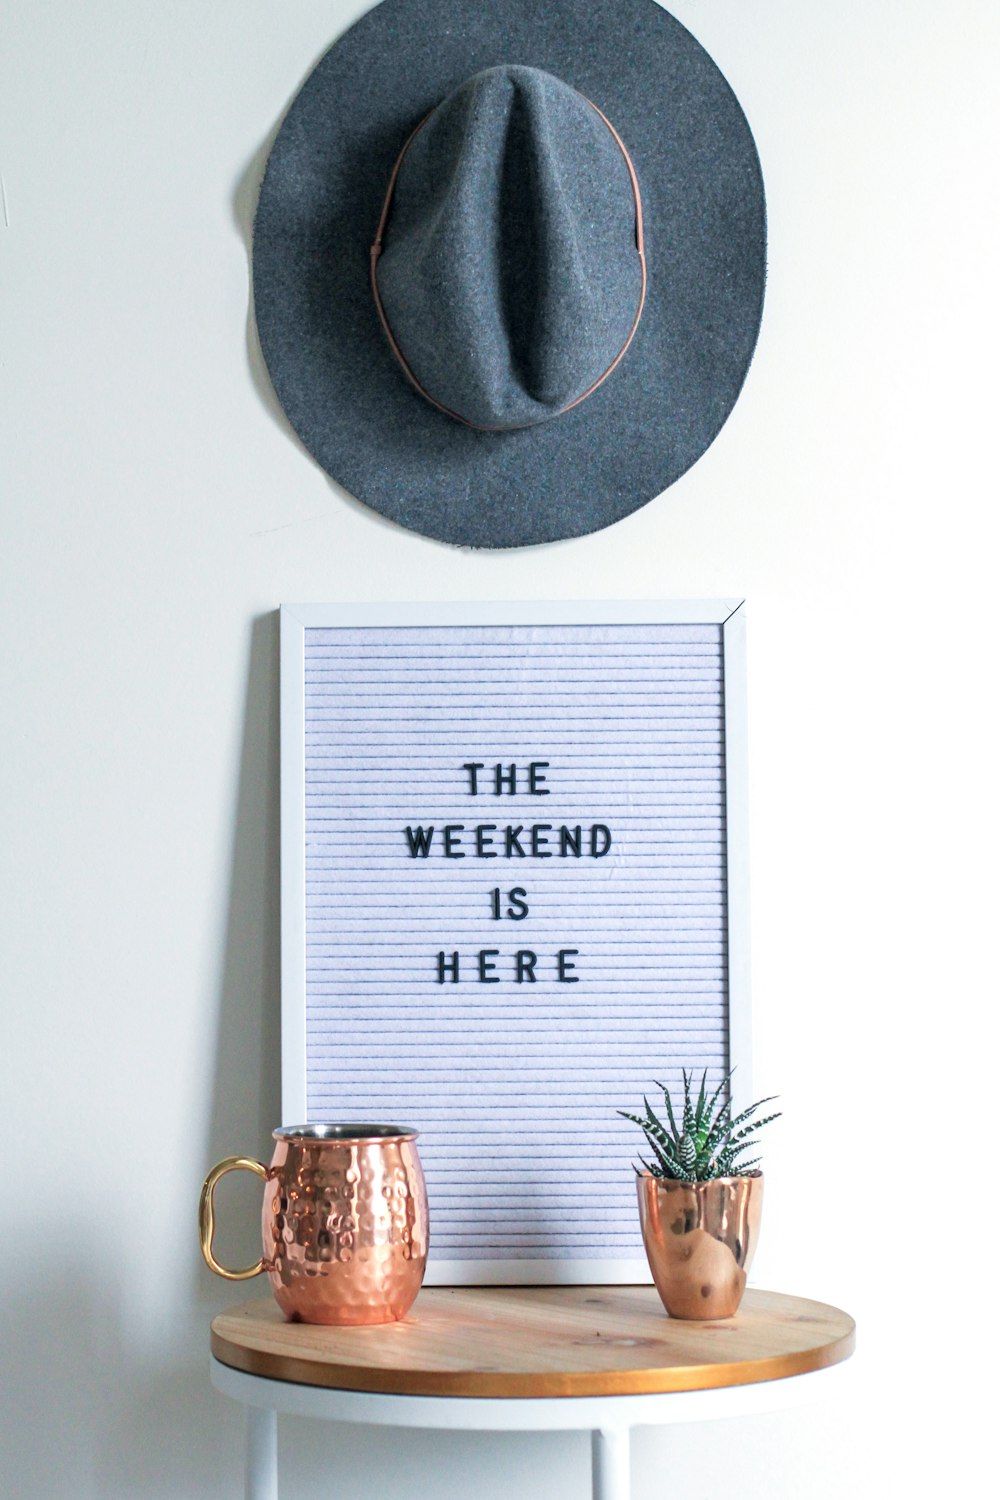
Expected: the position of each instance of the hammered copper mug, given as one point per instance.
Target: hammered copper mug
(344, 1222)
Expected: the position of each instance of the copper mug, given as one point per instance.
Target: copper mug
(344, 1222)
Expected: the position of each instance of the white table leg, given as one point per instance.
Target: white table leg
(262, 1453)
(609, 1449)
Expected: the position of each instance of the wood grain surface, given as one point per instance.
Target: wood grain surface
(539, 1342)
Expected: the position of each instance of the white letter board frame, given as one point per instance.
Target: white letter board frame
(481, 1263)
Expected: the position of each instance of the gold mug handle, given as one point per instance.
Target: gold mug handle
(206, 1214)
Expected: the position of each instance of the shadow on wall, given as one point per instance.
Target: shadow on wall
(246, 1107)
(111, 1395)
(192, 1438)
(247, 1091)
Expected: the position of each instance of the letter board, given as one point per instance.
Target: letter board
(513, 860)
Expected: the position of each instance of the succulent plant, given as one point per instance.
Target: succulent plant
(709, 1142)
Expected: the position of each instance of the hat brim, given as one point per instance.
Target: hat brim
(703, 209)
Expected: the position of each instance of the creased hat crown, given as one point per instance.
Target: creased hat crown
(508, 267)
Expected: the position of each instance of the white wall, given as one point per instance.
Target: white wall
(155, 509)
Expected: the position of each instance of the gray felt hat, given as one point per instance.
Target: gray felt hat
(509, 262)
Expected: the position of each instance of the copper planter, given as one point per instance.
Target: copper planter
(344, 1222)
(700, 1238)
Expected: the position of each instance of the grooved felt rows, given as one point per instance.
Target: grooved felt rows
(511, 1067)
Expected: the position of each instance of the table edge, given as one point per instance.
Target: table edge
(532, 1385)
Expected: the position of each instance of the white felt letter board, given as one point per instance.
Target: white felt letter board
(513, 860)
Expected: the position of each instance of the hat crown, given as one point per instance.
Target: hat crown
(510, 278)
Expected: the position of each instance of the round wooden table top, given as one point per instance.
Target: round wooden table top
(539, 1341)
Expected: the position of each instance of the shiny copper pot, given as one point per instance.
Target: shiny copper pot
(344, 1222)
(700, 1238)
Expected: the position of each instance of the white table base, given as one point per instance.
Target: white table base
(609, 1419)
